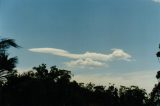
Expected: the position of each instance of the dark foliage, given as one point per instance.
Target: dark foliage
(155, 94)
(53, 87)
(7, 64)
(7, 43)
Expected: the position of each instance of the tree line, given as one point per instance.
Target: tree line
(43, 86)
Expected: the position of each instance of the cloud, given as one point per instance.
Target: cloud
(84, 63)
(157, 1)
(143, 79)
(87, 59)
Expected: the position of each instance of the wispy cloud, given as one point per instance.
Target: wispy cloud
(157, 1)
(144, 79)
(87, 59)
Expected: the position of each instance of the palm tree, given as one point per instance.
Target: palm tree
(7, 64)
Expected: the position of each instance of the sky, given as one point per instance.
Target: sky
(99, 41)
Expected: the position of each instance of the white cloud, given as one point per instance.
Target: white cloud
(87, 59)
(84, 63)
(157, 1)
(143, 79)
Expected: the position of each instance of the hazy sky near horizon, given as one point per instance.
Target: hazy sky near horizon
(102, 41)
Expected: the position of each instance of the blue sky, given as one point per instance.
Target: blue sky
(87, 26)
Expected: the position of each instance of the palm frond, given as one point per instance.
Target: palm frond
(7, 63)
(7, 43)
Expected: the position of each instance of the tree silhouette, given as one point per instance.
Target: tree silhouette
(7, 64)
(155, 94)
(132, 96)
(53, 87)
